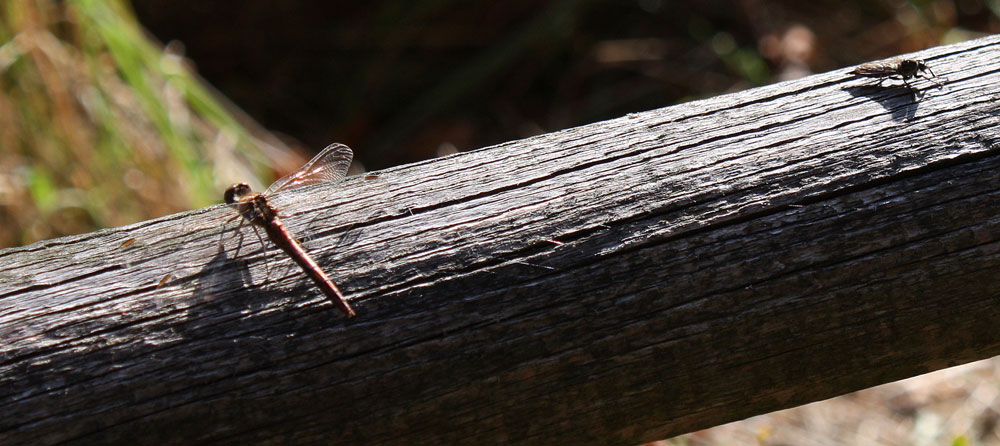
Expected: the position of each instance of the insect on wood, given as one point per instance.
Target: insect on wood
(901, 69)
(329, 166)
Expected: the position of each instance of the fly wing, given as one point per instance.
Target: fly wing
(330, 165)
(876, 69)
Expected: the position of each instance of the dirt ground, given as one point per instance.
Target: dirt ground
(957, 406)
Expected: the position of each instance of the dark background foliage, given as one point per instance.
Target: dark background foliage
(401, 81)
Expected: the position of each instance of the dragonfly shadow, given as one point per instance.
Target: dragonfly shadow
(216, 290)
(229, 307)
(246, 261)
(900, 101)
(340, 237)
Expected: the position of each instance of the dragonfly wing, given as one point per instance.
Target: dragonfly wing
(330, 165)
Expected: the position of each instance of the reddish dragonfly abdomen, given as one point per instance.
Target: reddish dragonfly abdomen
(280, 236)
(255, 209)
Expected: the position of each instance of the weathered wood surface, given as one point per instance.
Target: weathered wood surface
(619, 282)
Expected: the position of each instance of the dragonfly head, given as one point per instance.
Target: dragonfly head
(237, 191)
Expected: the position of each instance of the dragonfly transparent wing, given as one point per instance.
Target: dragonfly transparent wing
(329, 166)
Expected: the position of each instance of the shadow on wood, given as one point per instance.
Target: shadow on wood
(619, 282)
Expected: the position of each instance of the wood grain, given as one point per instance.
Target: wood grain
(620, 282)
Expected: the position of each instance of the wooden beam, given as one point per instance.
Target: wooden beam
(620, 282)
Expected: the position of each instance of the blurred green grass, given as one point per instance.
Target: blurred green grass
(100, 128)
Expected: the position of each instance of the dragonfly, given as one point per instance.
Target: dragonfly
(330, 165)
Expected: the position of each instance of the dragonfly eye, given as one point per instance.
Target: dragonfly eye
(236, 191)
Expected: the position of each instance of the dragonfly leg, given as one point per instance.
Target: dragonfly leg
(222, 234)
(263, 254)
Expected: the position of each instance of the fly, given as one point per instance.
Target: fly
(901, 69)
(330, 165)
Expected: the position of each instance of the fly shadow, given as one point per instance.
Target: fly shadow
(899, 100)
